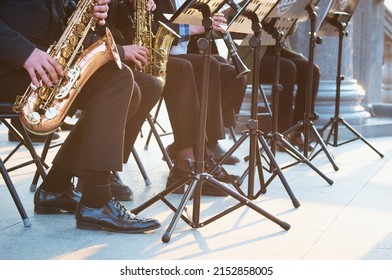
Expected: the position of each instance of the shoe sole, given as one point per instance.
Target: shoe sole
(39, 209)
(91, 226)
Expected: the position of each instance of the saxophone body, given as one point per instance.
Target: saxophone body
(158, 45)
(42, 110)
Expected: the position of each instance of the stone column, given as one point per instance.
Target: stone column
(386, 86)
(384, 107)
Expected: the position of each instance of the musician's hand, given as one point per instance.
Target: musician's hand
(218, 22)
(41, 65)
(137, 54)
(101, 11)
(151, 5)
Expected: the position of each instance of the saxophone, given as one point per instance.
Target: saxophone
(43, 109)
(158, 45)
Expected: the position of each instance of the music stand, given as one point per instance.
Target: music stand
(335, 23)
(200, 12)
(274, 23)
(307, 124)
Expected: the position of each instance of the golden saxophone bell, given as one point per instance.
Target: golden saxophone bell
(43, 109)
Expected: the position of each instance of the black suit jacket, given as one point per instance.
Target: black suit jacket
(17, 41)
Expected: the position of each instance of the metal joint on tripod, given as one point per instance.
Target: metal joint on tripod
(278, 87)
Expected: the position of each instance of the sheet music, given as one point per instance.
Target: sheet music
(241, 23)
(286, 13)
(345, 8)
(189, 13)
(289, 8)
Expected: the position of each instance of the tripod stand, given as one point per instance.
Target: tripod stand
(340, 21)
(256, 136)
(307, 124)
(198, 177)
(274, 137)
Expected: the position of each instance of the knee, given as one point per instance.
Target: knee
(184, 66)
(153, 90)
(242, 80)
(316, 72)
(289, 73)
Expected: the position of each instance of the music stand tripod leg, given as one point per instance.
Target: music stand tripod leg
(199, 176)
(275, 137)
(307, 125)
(337, 119)
(255, 135)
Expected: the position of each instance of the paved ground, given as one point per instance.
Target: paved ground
(348, 220)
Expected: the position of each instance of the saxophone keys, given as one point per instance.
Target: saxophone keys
(51, 113)
(33, 118)
(73, 39)
(66, 52)
(43, 92)
(62, 61)
(80, 28)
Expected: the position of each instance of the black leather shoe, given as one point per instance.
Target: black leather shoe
(171, 153)
(119, 190)
(218, 173)
(219, 153)
(113, 216)
(55, 203)
(177, 174)
(297, 139)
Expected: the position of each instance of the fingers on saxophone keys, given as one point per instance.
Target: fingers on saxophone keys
(44, 77)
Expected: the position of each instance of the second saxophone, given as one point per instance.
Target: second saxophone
(158, 45)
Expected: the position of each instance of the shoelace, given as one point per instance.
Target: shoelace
(124, 213)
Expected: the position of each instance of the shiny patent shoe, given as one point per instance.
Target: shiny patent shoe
(119, 190)
(177, 174)
(218, 174)
(55, 203)
(114, 217)
(297, 140)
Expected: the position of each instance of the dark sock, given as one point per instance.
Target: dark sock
(96, 191)
(57, 180)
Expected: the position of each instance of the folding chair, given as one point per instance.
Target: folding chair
(153, 122)
(6, 116)
(14, 194)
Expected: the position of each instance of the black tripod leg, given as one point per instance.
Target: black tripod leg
(304, 159)
(162, 194)
(319, 141)
(181, 207)
(247, 202)
(356, 133)
(324, 148)
(278, 171)
(332, 124)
